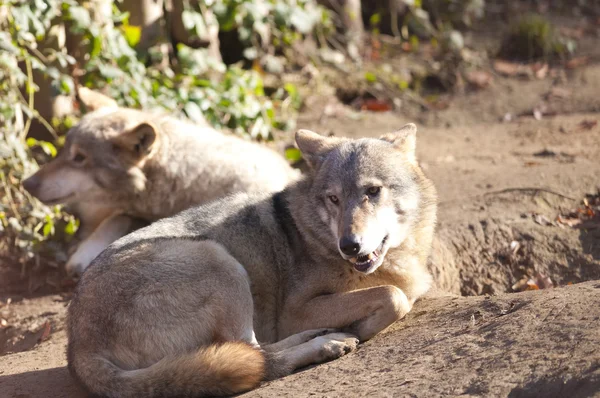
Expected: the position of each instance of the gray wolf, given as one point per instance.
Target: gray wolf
(122, 167)
(179, 308)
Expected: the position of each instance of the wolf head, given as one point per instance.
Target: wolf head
(102, 157)
(369, 195)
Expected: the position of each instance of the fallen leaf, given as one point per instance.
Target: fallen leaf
(479, 78)
(587, 124)
(375, 105)
(511, 69)
(531, 164)
(541, 281)
(47, 328)
(577, 62)
(507, 68)
(542, 220)
(568, 221)
(540, 70)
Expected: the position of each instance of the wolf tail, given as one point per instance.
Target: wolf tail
(220, 369)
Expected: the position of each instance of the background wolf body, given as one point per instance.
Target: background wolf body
(120, 164)
(263, 267)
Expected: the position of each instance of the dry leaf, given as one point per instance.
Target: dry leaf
(540, 70)
(508, 68)
(542, 220)
(568, 221)
(532, 163)
(577, 62)
(479, 78)
(587, 124)
(375, 105)
(541, 281)
(47, 328)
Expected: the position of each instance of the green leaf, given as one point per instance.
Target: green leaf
(48, 229)
(192, 110)
(31, 142)
(48, 148)
(375, 19)
(370, 77)
(72, 226)
(293, 154)
(133, 34)
(96, 46)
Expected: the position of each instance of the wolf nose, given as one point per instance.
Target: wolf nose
(31, 184)
(349, 245)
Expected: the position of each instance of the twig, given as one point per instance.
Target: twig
(533, 189)
(11, 201)
(31, 99)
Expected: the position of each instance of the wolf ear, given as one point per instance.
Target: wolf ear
(314, 147)
(138, 140)
(404, 140)
(93, 100)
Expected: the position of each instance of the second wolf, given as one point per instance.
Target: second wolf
(120, 167)
(179, 308)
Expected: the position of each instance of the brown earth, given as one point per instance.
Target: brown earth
(498, 183)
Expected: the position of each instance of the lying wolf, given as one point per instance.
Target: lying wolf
(178, 308)
(122, 166)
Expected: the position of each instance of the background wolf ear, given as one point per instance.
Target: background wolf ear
(313, 146)
(404, 139)
(138, 140)
(93, 100)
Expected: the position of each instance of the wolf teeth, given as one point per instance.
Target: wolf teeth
(371, 256)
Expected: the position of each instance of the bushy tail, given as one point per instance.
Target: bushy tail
(223, 369)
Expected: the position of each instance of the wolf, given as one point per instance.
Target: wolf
(251, 287)
(121, 168)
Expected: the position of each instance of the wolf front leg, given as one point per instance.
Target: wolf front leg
(109, 230)
(363, 312)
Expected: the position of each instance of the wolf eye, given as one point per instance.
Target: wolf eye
(334, 199)
(79, 158)
(373, 191)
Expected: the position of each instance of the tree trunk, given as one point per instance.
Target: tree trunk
(179, 34)
(146, 14)
(350, 13)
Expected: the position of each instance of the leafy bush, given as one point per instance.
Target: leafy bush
(534, 37)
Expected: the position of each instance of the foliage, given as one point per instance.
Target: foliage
(534, 37)
(269, 25)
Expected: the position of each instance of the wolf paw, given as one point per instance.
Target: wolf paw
(336, 345)
(78, 262)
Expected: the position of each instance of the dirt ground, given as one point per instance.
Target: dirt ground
(501, 187)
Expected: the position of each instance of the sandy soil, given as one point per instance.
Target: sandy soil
(498, 183)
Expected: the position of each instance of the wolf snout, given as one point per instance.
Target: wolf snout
(350, 245)
(31, 184)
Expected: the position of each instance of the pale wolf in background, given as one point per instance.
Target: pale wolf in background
(120, 166)
(178, 308)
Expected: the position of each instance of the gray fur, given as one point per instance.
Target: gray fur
(265, 264)
(147, 166)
